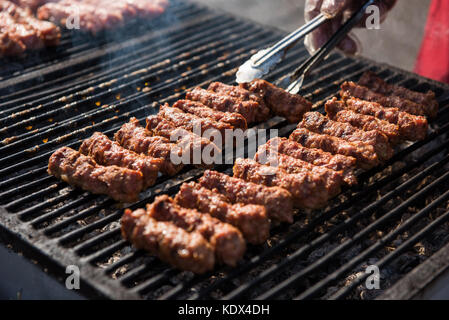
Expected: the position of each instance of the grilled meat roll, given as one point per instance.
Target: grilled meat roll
(106, 152)
(191, 144)
(284, 104)
(277, 201)
(318, 123)
(317, 157)
(364, 153)
(354, 90)
(250, 110)
(78, 170)
(226, 240)
(375, 83)
(184, 250)
(308, 190)
(251, 220)
(411, 127)
(136, 138)
(336, 110)
(236, 120)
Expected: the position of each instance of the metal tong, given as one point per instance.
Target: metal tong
(263, 61)
(298, 76)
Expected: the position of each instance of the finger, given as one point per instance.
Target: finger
(318, 37)
(350, 45)
(312, 9)
(332, 8)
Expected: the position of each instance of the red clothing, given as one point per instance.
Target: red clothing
(433, 58)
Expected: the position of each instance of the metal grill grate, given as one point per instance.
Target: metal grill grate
(97, 84)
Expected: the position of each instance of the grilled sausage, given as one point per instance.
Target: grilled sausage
(317, 157)
(184, 250)
(251, 220)
(135, 138)
(76, 169)
(282, 103)
(227, 241)
(364, 153)
(411, 127)
(236, 120)
(277, 201)
(308, 190)
(318, 123)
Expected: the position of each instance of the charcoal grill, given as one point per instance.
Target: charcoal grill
(396, 218)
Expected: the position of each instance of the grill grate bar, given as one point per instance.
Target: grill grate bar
(314, 290)
(288, 283)
(409, 242)
(365, 191)
(104, 75)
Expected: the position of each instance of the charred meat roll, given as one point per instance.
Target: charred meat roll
(81, 171)
(284, 104)
(227, 241)
(107, 152)
(136, 138)
(371, 80)
(332, 179)
(364, 153)
(250, 110)
(318, 123)
(236, 120)
(354, 90)
(308, 190)
(251, 220)
(411, 127)
(277, 201)
(193, 146)
(317, 157)
(336, 110)
(237, 92)
(191, 122)
(184, 250)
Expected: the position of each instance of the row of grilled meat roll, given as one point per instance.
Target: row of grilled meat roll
(123, 168)
(303, 171)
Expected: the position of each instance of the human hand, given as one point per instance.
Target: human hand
(339, 11)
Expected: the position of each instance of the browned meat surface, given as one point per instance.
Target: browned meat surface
(331, 179)
(290, 106)
(371, 80)
(308, 190)
(236, 120)
(191, 122)
(98, 15)
(354, 90)
(194, 147)
(251, 220)
(250, 110)
(364, 153)
(277, 201)
(411, 127)
(238, 93)
(81, 171)
(227, 241)
(317, 157)
(21, 31)
(184, 250)
(136, 138)
(31, 4)
(319, 123)
(336, 110)
(106, 152)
